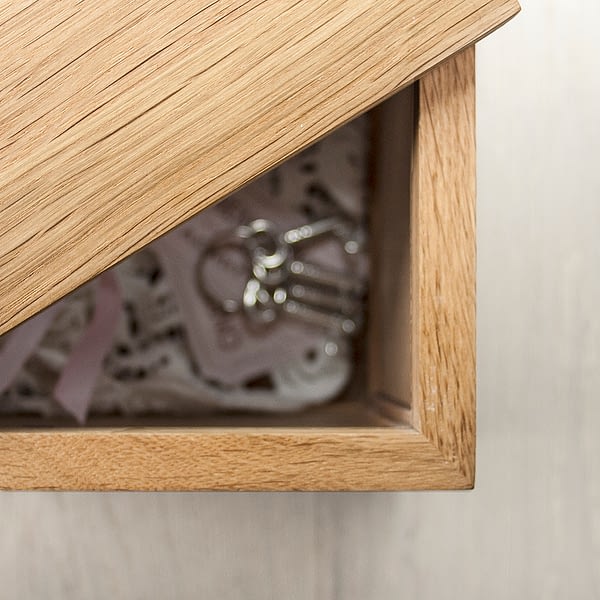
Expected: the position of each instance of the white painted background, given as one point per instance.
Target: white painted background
(532, 527)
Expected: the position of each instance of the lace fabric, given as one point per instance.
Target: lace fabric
(150, 367)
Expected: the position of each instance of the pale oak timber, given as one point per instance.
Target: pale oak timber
(120, 120)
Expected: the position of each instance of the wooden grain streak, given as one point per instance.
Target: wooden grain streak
(267, 459)
(443, 278)
(120, 120)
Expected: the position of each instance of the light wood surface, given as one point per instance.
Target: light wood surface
(437, 452)
(120, 120)
(531, 527)
(443, 262)
(336, 459)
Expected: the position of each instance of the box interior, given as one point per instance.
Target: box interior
(379, 393)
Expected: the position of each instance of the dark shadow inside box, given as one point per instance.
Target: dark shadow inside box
(379, 389)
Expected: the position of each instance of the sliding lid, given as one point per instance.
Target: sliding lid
(118, 120)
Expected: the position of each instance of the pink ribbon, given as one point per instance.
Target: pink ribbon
(75, 386)
(22, 342)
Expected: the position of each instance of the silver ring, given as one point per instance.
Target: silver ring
(224, 304)
(252, 234)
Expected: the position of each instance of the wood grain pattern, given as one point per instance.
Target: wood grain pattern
(438, 453)
(269, 459)
(120, 120)
(443, 261)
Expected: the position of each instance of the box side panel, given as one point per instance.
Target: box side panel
(389, 298)
(443, 251)
(191, 459)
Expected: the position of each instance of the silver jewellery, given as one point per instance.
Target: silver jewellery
(279, 282)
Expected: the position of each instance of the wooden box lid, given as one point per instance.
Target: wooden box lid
(119, 120)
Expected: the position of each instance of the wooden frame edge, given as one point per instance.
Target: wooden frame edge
(259, 459)
(443, 246)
